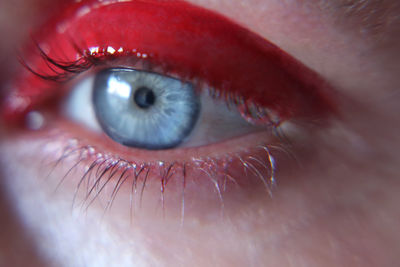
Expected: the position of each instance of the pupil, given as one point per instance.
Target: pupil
(144, 97)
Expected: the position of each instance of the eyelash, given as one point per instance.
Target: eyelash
(294, 92)
(251, 112)
(85, 61)
(101, 169)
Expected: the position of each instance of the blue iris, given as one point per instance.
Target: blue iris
(144, 109)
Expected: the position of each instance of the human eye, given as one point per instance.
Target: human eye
(85, 69)
(93, 114)
(183, 65)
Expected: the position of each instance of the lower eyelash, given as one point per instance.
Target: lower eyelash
(101, 170)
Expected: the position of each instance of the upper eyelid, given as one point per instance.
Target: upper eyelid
(372, 16)
(272, 61)
(40, 11)
(368, 15)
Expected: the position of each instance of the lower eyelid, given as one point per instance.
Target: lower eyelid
(250, 170)
(69, 130)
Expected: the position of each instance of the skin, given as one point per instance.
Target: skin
(336, 200)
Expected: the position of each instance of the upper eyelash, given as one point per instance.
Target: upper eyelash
(262, 81)
(68, 69)
(65, 71)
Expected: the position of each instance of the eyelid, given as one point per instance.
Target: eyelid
(178, 37)
(297, 100)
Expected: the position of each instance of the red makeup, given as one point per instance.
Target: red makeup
(181, 39)
(178, 39)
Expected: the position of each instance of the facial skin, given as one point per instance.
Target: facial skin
(336, 203)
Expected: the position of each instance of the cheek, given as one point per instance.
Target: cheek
(331, 209)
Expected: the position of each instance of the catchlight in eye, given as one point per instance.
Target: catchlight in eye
(143, 109)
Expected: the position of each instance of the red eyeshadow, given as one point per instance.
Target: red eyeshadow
(191, 42)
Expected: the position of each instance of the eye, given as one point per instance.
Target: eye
(155, 77)
(142, 109)
(151, 111)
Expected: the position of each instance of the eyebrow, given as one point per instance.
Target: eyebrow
(372, 17)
